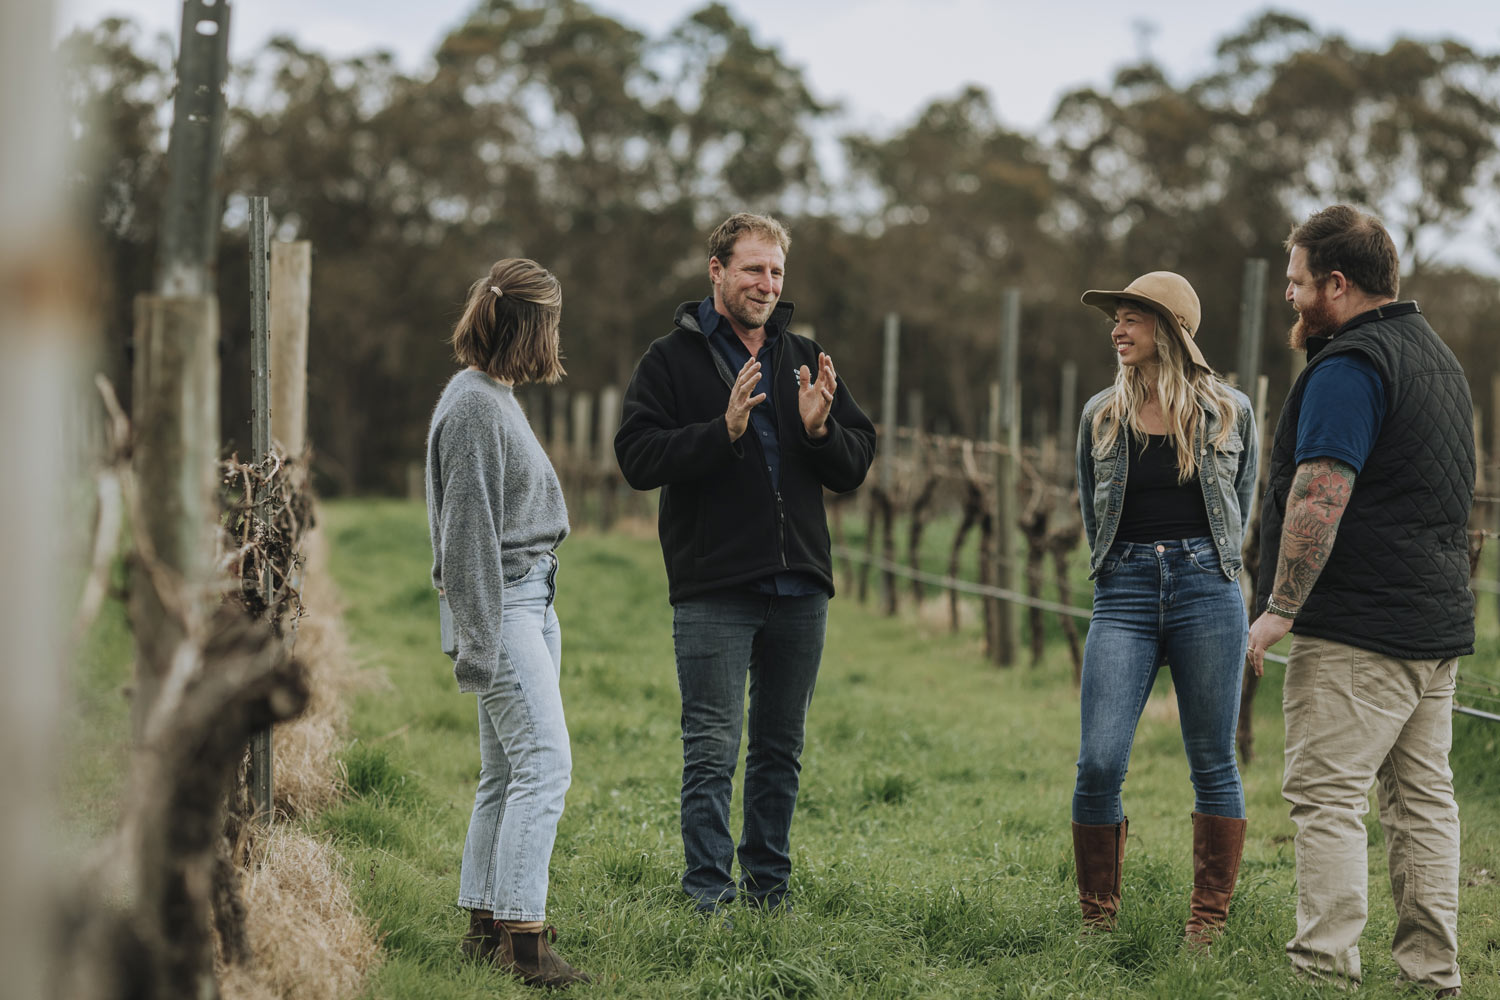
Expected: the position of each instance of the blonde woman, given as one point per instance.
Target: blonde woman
(496, 514)
(1166, 466)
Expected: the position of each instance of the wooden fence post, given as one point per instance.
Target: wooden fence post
(1006, 430)
(1067, 417)
(174, 456)
(920, 510)
(889, 377)
(609, 422)
(889, 451)
(1252, 322)
(557, 425)
(579, 452)
(291, 300)
(989, 566)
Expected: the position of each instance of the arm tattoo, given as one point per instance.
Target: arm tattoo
(1319, 495)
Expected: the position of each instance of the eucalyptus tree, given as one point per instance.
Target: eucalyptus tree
(1196, 177)
(115, 83)
(962, 210)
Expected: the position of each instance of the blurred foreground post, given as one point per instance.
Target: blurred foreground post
(40, 347)
(176, 419)
(176, 378)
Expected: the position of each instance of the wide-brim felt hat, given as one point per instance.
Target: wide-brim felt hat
(1169, 294)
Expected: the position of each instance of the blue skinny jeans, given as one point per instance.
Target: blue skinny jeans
(1154, 603)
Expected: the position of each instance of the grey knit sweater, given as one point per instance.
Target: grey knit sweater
(494, 507)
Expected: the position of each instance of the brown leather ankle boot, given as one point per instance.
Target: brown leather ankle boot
(486, 940)
(1099, 856)
(534, 961)
(1218, 843)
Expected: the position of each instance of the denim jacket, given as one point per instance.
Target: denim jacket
(1228, 482)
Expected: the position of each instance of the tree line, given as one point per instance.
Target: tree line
(553, 131)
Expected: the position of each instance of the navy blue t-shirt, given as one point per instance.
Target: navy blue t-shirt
(1342, 410)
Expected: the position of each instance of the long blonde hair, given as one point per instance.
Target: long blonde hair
(1184, 391)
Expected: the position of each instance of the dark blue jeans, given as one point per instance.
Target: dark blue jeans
(720, 638)
(1153, 603)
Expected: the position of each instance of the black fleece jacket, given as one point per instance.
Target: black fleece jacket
(721, 523)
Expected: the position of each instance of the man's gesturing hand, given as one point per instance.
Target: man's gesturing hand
(815, 397)
(737, 416)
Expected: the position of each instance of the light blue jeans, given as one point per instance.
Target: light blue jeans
(525, 763)
(1153, 603)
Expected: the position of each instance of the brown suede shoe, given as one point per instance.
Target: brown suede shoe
(486, 941)
(1099, 856)
(1218, 843)
(534, 961)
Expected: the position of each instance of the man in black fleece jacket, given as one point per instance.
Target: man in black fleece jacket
(742, 424)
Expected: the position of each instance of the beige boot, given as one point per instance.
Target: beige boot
(1099, 856)
(1218, 843)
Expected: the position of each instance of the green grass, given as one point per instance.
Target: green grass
(931, 846)
(96, 726)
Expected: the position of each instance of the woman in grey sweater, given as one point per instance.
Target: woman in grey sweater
(496, 514)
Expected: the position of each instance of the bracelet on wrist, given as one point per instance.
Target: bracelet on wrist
(1278, 609)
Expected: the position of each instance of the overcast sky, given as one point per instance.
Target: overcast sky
(883, 59)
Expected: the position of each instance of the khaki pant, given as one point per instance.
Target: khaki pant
(1354, 717)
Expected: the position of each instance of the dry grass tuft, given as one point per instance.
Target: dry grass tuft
(308, 940)
(307, 777)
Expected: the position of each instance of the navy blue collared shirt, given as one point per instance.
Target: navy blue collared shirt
(763, 424)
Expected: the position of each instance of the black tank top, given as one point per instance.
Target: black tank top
(1157, 507)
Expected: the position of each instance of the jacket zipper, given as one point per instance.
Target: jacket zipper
(770, 398)
(781, 529)
(780, 507)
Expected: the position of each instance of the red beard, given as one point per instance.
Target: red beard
(1317, 320)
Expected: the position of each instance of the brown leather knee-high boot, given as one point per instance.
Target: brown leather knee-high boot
(1099, 855)
(1218, 843)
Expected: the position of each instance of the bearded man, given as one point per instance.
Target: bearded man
(1366, 563)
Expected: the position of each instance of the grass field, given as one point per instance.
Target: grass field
(931, 847)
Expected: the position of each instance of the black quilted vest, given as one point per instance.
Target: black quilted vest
(1397, 581)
